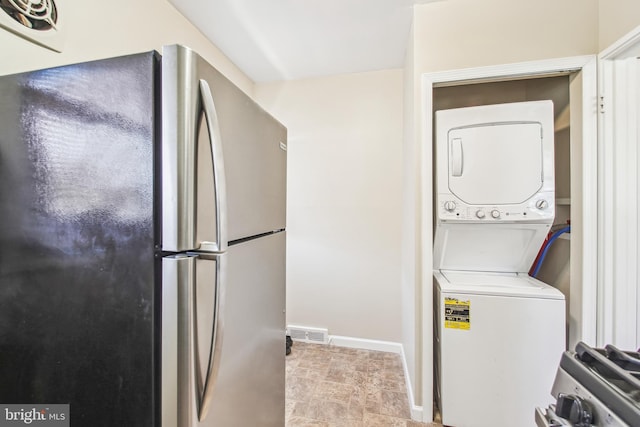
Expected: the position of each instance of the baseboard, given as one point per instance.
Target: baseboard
(365, 344)
(417, 412)
(389, 347)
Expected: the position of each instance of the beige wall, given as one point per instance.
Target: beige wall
(344, 200)
(99, 29)
(471, 33)
(617, 18)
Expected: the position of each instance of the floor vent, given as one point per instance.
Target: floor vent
(306, 334)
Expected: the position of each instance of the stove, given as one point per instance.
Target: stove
(595, 387)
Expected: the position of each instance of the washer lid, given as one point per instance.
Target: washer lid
(496, 284)
(487, 247)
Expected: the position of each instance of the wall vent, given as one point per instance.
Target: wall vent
(38, 21)
(307, 334)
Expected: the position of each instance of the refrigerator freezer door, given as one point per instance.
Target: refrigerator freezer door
(224, 159)
(223, 336)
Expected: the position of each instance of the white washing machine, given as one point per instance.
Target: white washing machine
(499, 333)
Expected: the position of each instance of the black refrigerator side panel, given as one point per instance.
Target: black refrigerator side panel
(77, 239)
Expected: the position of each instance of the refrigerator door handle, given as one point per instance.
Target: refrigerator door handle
(205, 398)
(187, 385)
(219, 176)
(177, 294)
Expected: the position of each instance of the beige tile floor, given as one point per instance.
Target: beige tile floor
(330, 386)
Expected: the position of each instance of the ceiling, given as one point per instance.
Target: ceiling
(273, 40)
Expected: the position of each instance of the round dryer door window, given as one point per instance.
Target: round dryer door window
(497, 163)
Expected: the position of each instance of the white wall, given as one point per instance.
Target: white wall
(344, 200)
(99, 29)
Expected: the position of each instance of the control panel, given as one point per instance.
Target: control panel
(540, 207)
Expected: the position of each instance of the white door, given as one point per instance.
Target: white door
(619, 299)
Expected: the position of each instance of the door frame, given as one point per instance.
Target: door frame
(584, 191)
(619, 157)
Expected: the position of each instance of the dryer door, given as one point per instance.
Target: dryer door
(495, 164)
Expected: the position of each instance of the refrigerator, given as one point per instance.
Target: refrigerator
(142, 245)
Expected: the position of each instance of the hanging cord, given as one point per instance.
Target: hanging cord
(545, 248)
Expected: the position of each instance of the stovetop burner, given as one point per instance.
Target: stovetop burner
(620, 369)
(595, 387)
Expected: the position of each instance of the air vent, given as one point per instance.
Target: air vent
(36, 20)
(306, 334)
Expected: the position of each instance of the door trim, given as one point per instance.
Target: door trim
(619, 102)
(584, 143)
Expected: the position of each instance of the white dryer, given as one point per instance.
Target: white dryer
(499, 333)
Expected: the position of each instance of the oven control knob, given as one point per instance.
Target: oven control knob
(495, 213)
(450, 205)
(575, 409)
(480, 214)
(542, 204)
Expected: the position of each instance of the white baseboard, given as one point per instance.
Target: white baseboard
(417, 412)
(365, 344)
(389, 347)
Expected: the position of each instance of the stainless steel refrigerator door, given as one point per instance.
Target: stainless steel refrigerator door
(223, 336)
(224, 159)
(193, 296)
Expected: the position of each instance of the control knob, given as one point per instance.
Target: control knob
(495, 213)
(450, 205)
(541, 204)
(480, 214)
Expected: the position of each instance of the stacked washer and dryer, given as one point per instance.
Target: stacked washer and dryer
(499, 333)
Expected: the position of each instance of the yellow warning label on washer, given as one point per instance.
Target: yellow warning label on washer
(457, 314)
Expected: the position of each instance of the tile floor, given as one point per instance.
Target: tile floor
(330, 386)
